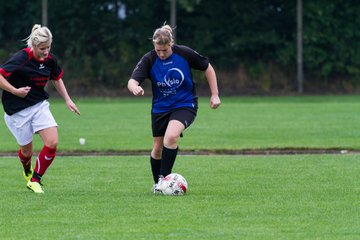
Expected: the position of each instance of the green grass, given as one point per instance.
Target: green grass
(240, 123)
(230, 197)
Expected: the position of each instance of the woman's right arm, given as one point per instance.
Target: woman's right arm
(134, 87)
(20, 92)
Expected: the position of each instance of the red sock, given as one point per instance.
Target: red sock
(26, 161)
(43, 161)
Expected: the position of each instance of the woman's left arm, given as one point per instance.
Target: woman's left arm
(61, 89)
(211, 78)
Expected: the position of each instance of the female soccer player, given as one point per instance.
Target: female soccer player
(23, 78)
(175, 103)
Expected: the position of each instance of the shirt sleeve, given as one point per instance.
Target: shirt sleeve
(142, 68)
(56, 72)
(14, 62)
(195, 60)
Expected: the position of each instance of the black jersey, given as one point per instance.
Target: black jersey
(22, 70)
(172, 83)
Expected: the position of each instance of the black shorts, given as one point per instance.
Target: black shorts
(160, 121)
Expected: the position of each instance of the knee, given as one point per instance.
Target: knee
(26, 153)
(156, 152)
(52, 143)
(171, 141)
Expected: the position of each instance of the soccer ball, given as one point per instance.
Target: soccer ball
(174, 185)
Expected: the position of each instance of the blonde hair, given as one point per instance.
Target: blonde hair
(163, 36)
(38, 35)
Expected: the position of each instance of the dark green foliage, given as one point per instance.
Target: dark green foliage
(331, 38)
(99, 41)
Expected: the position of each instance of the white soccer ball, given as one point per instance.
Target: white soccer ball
(174, 185)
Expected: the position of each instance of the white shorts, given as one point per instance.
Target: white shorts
(24, 124)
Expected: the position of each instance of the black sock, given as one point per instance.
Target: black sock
(155, 168)
(167, 160)
(36, 177)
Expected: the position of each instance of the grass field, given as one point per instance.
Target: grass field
(240, 123)
(230, 196)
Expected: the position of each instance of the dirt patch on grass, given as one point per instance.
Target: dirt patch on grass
(277, 151)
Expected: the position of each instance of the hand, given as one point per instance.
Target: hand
(137, 91)
(22, 92)
(215, 101)
(72, 107)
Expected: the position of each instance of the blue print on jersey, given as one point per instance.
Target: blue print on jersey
(172, 84)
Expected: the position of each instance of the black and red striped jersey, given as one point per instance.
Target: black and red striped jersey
(22, 70)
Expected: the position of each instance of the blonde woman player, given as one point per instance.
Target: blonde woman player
(175, 103)
(23, 78)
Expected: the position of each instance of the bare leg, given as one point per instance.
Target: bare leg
(170, 148)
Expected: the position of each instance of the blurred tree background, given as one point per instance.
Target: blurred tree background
(251, 44)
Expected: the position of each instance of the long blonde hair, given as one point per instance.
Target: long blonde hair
(163, 36)
(38, 35)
